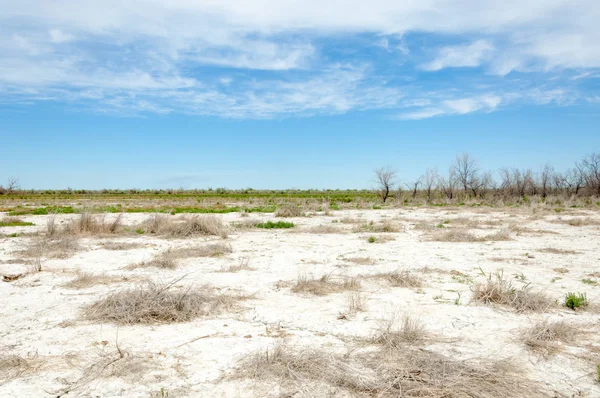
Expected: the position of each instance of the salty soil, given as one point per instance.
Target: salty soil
(427, 302)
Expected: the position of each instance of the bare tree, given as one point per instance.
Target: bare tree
(386, 178)
(591, 167)
(430, 180)
(448, 185)
(12, 185)
(467, 171)
(414, 187)
(546, 177)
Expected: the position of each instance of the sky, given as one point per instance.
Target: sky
(275, 94)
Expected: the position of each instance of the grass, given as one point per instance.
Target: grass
(497, 290)
(273, 225)
(13, 366)
(84, 280)
(324, 285)
(576, 300)
(462, 235)
(400, 278)
(14, 222)
(356, 302)
(553, 250)
(242, 265)
(360, 260)
(152, 303)
(545, 334)
(324, 229)
(385, 372)
(184, 227)
(409, 331)
(289, 210)
(371, 226)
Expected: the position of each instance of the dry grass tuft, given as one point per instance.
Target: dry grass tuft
(289, 210)
(386, 372)
(242, 265)
(211, 250)
(360, 260)
(553, 250)
(151, 303)
(62, 247)
(356, 303)
(497, 290)
(121, 245)
(324, 285)
(164, 260)
(382, 227)
(184, 227)
(400, 278)
(545, 335)
(89, 224)
(578, 222)
(324, 229)
(85, 280)
(12, 366)
(409, 331)
(462, 235)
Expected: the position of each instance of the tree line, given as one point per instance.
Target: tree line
(465, 179)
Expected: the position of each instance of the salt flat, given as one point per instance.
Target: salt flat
(281, 303)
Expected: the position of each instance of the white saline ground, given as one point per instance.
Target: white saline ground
(41, 319)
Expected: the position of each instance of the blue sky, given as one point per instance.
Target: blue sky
(287, 94)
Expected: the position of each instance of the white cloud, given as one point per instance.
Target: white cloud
(149, 55)
(457, 106)
(470, 55)
(58, 36)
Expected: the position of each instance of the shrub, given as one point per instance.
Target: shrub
(289, 210)
(152, 303)
(273, 225)
(575, 300)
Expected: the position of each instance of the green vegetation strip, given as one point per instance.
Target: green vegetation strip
(278, 224)
(16, 224)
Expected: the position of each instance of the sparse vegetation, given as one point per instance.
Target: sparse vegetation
(150, 303)
(273, 225)
(497, 290)
(289, 210)
(14, 222)
(324, 285)
(461, 235)
(545, 334)
(385, 372)
(401, 278)
(576, 300)
(409, 331)
(184, 227)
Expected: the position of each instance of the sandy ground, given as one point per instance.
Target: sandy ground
(42, 322)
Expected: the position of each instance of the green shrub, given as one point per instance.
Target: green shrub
(278, 224)
(575, 300)
(371, 239)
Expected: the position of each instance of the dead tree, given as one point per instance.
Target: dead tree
(386, 178)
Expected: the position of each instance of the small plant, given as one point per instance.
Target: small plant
(575, 300)
(371, 239)
(140, 231)
(588, 281)
(272, 225)
(598, 373)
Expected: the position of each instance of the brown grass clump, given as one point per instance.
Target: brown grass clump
(89, 224)
(498, 290)
(63, 246)
(386, 372)
(324, 285)
(151, 303)
(289, 210)
(546, 335)
(356, 303)
(121, 245)
(12, 366)
(242, 265)
(553, 250)
(164, 260)
(184, 227)
(371, 226)
(400, 278)
(578, 222)
(324, 229)
(360, 260)
(85, 280)
(461, 235)
(409, 331)
(211, 250)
